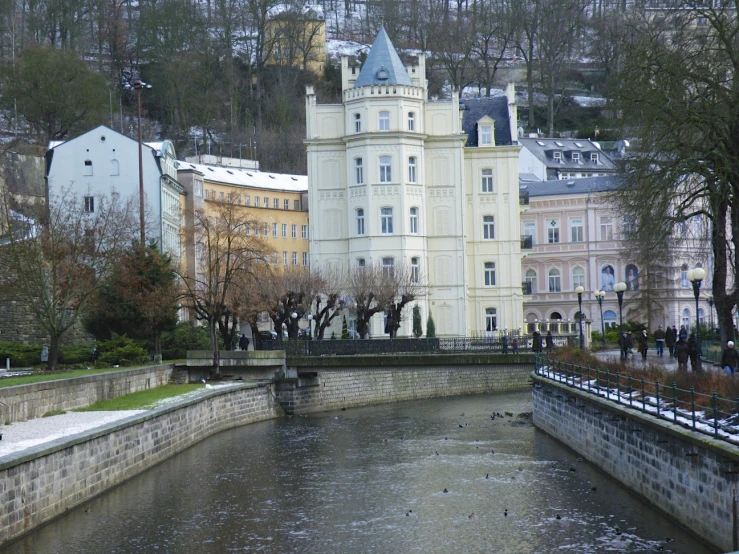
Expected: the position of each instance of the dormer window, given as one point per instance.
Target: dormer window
(576, 157)
(594, 157)
(357, 123)
(384, 121)
(486, 135)
(557, 156)
(382, 74)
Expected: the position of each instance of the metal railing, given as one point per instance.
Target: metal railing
(705, 413)
(523, 198)
(444, 345)
(526, 287)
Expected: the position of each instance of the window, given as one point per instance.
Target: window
(529, 230)
(487, 180)
(294, 229)
(275, 258)
(358, 171)
(684, 283)
(284, 230)
(386, 221)
(361, 262)
(295, 258)
(115, 167)
(486, 135)
(489, 274)
(701, 316)
(247, 229)
(491, 319)
(90, 204)
(223, 196)
(265, 229)
(411, 121)
(198, 188)
(609, 319)
(286, 205)
(412, 169)
(266, 202)
(276, 204)
(274, 230)
(488, 227)
(304, 232)
(88, 168)
(305, 259)
(296, 205)
(256, 201)
(555, 281)
(576, 229)
(357, 123)
(384, 121)
(606, 228)
(360, 222)
(247, 200)
(557, 156)
(415, 270)
(530, 278)
(553, 232)
(576, 157)
(388, 265)
(578, 278)
(386, 173)
(685, 320)
(414, 221)
(284, 257)
(594, 157)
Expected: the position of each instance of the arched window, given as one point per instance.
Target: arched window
(360, 221)
(609, 318)
(384, 121)
(358, 171)
(414, 221)
(488, 227)
(555, 316)
(412, 177)
(685, 320)
(578, 278)
(114, 168)
(357, 123)
(555, 281)
(411, 121)
(530, 278)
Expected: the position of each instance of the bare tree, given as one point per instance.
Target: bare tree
(56, 258)
(494, 34)
(330, 300)
(227, 249)
(292, 292)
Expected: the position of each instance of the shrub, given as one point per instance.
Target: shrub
(121, 351)
(75, 354)
(186, 336)
(430, 328)
(20, 354)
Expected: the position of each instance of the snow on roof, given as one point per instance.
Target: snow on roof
(311, 10)
(248, 177)
(337, 48)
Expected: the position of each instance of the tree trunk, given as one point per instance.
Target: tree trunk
(215, 369)
(53, 352)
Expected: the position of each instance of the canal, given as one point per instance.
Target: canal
(435, 476)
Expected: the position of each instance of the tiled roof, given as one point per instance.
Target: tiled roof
(496, 108)
(248, 177)
(544, 149)
(561, 187)
(382, 66)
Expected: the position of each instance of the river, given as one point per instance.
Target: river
(431, 476)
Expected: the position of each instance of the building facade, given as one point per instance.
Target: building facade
(398, 179)
(544, 159)
(101, 163)
(577, 240)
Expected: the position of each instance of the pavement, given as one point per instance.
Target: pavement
(652, 359)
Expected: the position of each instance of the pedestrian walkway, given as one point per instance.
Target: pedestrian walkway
(637, 361)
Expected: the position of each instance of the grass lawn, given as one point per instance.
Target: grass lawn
(142, 400)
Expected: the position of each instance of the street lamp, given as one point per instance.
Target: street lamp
(138, 85)
(579, 290)
(619, 288)
(696, 276)
(600, 295)
(310, 325)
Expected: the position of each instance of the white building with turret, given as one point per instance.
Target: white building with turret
(397, 178)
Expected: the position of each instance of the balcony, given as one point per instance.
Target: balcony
(523, 198)
(527, 242)
(527, 288)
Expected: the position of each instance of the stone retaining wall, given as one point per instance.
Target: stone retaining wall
(339, 382)
(24, 402)
(687, 475)
(40, 484)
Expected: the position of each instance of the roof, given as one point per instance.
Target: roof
(311, 11)
(383, 65)
(544, 150)
(248, 177)
(153, 145)
(497, 109)
(560, 187)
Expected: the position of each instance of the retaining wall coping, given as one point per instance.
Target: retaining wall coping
(82, 379)
(14, 459)
(703, 440)
(409, 360)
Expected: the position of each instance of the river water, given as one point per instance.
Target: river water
(372, 480)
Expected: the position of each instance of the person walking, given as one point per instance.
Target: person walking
(671, 340)
(643, 344)
(683, 334)
(622, 340)
(630, 345)
(693, 352)
(550, 342)
(659, 339)
(682, 354)
(730, 358)
(243, 342)
(536, 342)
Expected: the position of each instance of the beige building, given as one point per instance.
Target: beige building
(398, 178)
(576, 240)
(296, 37)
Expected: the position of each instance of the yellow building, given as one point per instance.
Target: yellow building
(277, 201)
(297, 38)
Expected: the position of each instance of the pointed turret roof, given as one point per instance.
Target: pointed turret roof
(382, 66)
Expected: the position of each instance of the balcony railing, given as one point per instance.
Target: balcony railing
(523, 198)
(527, 288)
(527, 242)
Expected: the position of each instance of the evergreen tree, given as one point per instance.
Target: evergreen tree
(344, 330)
(430, 328)
(417, 329)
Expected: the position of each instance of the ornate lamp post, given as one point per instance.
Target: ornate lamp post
(310, 325)
(600, 295)
(294, 317)
(579, 290)
(696, 276)
(138, 85)
(619, 288)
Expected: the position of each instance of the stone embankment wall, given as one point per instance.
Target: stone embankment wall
(343, 381)
(40, 484)
(24, 402)
(687, 475)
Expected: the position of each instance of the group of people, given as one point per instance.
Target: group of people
(537, 344)
(680, 346)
